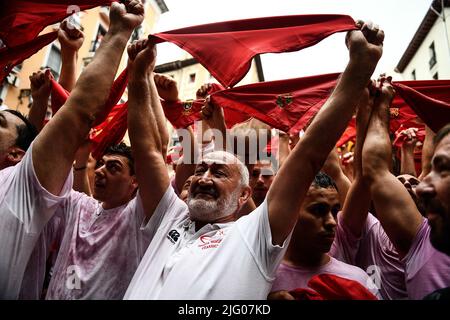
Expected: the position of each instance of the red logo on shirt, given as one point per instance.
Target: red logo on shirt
(209, 242)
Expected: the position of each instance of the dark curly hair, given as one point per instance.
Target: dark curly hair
(322, 180)
(123, 150)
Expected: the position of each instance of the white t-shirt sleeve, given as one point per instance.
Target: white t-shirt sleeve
(254, 228)
(25, 197)
(170, 208)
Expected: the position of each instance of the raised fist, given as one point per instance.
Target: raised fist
(126, 16)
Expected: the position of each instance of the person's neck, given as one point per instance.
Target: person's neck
(303, 256)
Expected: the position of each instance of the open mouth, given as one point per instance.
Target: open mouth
(208, 193)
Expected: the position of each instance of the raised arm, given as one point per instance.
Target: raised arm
(144, 108)
(356, 206)
(71, 40)
(333, 169)
(395, 208)
(427, 152)
(54, 149)
(80, 168)
(40, 83)
(295, 177)
(168, 91)
(407, 152)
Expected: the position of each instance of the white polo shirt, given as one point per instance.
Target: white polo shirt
(235, 260)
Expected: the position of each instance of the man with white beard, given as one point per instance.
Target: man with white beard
(199, 249)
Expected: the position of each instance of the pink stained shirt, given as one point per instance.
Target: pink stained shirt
(426, 268)
(100, 250)
(374, 253)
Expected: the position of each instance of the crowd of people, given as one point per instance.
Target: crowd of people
(315, 225)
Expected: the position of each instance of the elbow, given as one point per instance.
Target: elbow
(372, 166)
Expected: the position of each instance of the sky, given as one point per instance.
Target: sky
(398, 18)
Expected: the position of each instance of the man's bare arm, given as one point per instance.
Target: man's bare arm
(71, 40)
(306, 159)
(356, 206)
(54, 149)
(395, 208)
(427, 152)
(144, 108)
(40, 83)
(407, 165)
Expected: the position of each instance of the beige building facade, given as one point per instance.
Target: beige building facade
(15, 90)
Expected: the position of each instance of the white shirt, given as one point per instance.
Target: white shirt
(25, 208)
(235, 260)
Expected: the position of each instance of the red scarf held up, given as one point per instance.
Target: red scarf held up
(226, 49)
(22, 20)
(183, 114)
(289, 105)
(10, 57)
(430, 100)
(110, 132)
(59, 96)
(111, 125)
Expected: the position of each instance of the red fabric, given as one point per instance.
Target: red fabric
(183, 114)
(227, 48)
(109, 132)
(117, 89)
(429, 99)
(10, 57)
(349, 133)
(287, 105)
(111, 125)
(60, 95)
(400, 139)
(22, 20)
(332, 287)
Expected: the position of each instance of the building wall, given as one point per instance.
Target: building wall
(420, 61)
(90, 21)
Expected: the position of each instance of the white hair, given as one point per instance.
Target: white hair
(224, 157)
